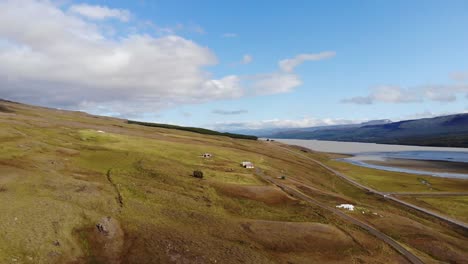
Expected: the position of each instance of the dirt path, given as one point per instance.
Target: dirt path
(297, 194)
(116, 188)
(454, 222)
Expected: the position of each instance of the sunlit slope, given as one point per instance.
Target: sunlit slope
(76, 188)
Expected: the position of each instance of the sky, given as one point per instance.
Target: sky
(231, 65)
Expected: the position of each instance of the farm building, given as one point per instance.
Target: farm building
(207, 155)
(247, 164)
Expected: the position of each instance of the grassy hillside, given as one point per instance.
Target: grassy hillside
(447, 131)
(77, 188)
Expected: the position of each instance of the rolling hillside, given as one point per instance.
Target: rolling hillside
(77, 188)
(446, 131)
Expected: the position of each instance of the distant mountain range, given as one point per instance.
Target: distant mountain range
(289, 131)
(447, 131)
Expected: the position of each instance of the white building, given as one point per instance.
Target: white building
(349, 207)
(247, 165)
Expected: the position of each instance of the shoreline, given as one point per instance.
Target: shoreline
(441, 174)
(431, 161)
(354, 148)
(423, 165)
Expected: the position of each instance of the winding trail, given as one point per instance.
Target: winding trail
(297, 194)
(119, 197)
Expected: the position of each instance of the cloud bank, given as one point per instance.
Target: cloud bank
(53, 57)
(282, 123)
(396, 94)
(288, 65)
(71, 57)
(100, 12)
(227, 112)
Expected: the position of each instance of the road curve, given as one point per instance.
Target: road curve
(428, 194)
(454, 222)
(297, 194)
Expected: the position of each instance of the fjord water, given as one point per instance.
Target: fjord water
(364, 152)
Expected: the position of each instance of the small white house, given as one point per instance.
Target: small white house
(349, 207)
(247, 165)
(207, 155)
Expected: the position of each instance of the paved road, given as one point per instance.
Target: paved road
(297, 194)
(428, 194)
(457, 223)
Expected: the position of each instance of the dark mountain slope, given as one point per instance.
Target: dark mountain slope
(450, 131)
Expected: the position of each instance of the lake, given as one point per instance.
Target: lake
(434, 161)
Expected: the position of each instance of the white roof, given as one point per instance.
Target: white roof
(346, 206)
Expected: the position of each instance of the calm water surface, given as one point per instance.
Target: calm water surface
(363, 152)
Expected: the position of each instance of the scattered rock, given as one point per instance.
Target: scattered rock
(108, 238)
(56, 243)
(102, 229)
(198, 174)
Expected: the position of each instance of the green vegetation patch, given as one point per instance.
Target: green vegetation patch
(194, 129)
(454, 206)
(397, 181)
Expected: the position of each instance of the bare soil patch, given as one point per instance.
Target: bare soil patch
(103, 242)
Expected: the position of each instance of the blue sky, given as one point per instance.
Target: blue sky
(352, 61)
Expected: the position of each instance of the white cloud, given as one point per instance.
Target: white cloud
(229, 35)
(440, 94)
(274, 83)
(71, 63)
(229, 112)
(396, 94)
(68, 59)
(169, 29)
(246, 59)
(283, 123)
(97, 12)
(288, 65)
(361, 100)
(285, 80)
